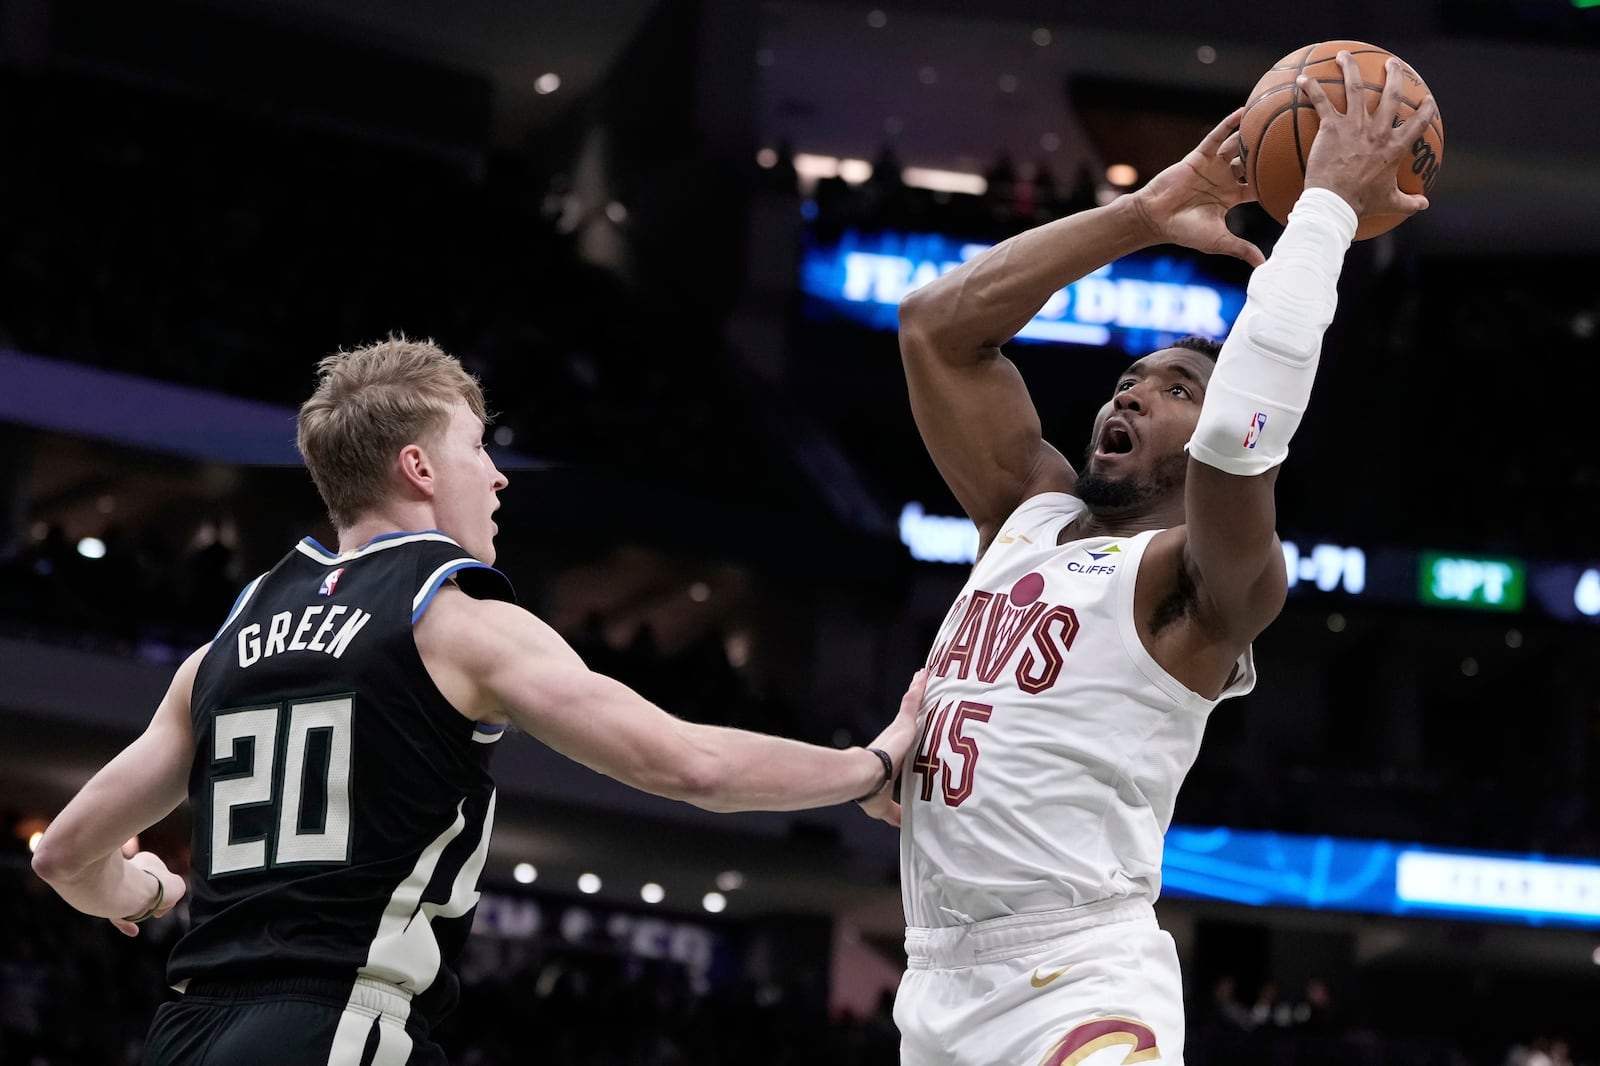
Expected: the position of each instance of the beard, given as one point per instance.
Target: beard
(1104, 493)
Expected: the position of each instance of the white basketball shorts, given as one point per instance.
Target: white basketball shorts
(1091, 986)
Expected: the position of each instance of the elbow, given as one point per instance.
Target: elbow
(937, 308)
(916, 306)
(924, 333)
(702, 780)
(53, 862)
(685, 769)
(953, 315)
(705, 775)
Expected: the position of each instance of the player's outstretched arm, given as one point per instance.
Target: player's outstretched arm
(1263, 380)
(495, 661)
(970, 404)
(80, 853)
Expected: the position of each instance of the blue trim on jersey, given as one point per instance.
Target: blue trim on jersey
(238, 603)
(381, 536)
(404, 533)
(480, 727)
(434, 589)
(313, 542)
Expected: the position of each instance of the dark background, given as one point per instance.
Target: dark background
(201, 199)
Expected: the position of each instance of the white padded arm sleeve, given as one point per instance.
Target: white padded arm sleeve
(1263, 378)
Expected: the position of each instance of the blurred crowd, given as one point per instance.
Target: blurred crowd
(144, 592)
(1441, 801)
(74, 992)
(1273, 1027)
(191, 239)
(183, 589)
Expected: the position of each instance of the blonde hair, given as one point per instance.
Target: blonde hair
(370, 403)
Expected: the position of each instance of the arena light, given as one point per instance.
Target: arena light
(92, 548)
(1586, 594)
(714, 902)
(814, 168)
(935, 180)
(525, 873)
(588, 884)
(811, 168)
(651, 892)
(1122, 174)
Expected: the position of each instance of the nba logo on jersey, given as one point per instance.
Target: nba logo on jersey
(1258, 423)
(329, 582)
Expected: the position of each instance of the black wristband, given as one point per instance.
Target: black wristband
(888, 773)
(150, 911)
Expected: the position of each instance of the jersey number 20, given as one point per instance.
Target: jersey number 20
(283, 776)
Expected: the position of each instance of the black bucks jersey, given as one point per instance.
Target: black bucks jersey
(342, 807)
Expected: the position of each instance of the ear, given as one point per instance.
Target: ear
(416, 470)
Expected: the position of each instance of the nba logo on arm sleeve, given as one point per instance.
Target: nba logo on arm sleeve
(1258, 425)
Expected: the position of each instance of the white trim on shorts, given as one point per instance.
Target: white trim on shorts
(373, 1003)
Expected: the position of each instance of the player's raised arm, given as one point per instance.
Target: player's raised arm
(970, 403)
(1264, 373)
(496, 660)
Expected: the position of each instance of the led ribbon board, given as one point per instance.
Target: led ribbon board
(1379, 877)
(1139, 303)
(1466, 581)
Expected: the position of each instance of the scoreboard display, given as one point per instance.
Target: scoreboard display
(1567, 591)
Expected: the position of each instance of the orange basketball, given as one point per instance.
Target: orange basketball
(1280, 123)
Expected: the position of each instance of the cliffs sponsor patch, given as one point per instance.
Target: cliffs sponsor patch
(1100, 562)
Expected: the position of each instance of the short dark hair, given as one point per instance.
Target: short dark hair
(1203, 345)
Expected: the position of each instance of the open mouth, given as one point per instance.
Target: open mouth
(1115, 440)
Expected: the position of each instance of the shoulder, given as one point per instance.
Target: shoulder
(1037, 517)
(476, 633)
(192, 663)
(180, 692)
(454, 620)
(481, 653)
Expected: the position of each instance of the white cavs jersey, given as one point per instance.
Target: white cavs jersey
(1051, 744)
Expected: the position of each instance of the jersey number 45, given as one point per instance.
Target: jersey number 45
(946, 723)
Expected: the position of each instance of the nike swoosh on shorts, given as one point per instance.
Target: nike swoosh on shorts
(1039, 982)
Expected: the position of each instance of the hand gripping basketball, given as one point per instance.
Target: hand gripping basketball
(1282, 121)
(1357, 151)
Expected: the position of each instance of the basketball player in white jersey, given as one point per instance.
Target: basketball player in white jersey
(1110, 608)
(333, 743)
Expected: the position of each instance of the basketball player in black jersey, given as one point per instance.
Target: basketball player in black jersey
(333, 743)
